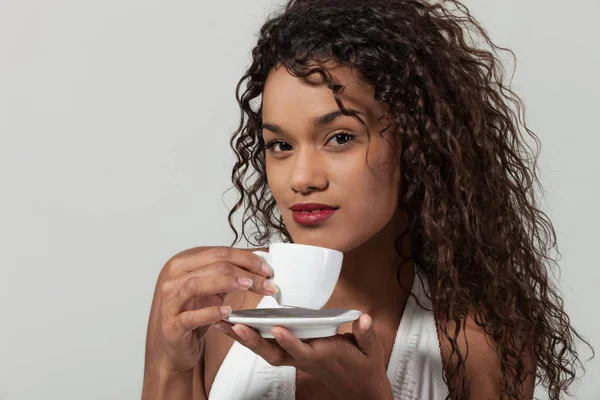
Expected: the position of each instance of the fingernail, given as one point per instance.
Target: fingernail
(366, 323)
(239, 331)
(219, 328)
(225, 310)
(271, 287)
(276, 333)
(267, 270)
(245, 282)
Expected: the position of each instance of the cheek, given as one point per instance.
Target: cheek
(372, 188)
(368, 200)
(380, 188)
(382, 176)
(275, 182)
(379, 193)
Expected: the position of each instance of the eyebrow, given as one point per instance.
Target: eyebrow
(322, 120)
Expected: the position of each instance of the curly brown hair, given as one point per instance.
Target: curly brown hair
(467, 177)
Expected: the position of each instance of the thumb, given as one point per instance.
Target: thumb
(364, 334)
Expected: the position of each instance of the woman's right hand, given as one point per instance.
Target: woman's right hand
(191, 288)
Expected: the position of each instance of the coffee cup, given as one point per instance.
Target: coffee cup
(306, 275)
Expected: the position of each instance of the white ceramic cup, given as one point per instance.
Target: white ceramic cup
(306, 275)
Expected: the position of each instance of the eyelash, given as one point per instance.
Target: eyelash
(272, 143)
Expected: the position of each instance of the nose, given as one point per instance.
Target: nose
(308, 172)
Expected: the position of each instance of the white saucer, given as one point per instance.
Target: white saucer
(302, 322)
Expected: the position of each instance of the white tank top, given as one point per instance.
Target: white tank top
(414, 369)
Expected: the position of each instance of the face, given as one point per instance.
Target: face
(334, 186)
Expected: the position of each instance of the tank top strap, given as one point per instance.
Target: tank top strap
(415, 370)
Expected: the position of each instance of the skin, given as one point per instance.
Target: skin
(312, 163)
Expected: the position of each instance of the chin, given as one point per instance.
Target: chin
(328, 239)
(316, 237)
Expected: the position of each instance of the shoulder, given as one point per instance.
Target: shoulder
(482, 365)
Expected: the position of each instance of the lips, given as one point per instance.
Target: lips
(309, 214)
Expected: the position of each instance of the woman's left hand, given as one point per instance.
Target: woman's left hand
(350, 365)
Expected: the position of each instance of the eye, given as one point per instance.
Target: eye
(278, 146)
(342, 138)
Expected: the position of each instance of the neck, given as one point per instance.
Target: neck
(369, 278)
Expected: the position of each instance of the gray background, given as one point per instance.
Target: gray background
(114, 123)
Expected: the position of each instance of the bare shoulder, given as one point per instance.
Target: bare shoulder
(483, 365)
(217, 345)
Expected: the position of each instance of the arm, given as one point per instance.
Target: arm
(199, 389)
(170, 385)
(160, 384)
(188, 299)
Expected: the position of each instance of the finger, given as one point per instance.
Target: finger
(227, 328)
(248, 337)
(260, 285)
(243, 259)
(364, 334)
(203, 286)
(190, 320)
(301, 352)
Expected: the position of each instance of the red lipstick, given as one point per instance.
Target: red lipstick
(312, 213)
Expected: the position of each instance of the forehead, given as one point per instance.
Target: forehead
(284, 94)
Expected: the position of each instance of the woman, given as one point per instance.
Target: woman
(386, 112)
